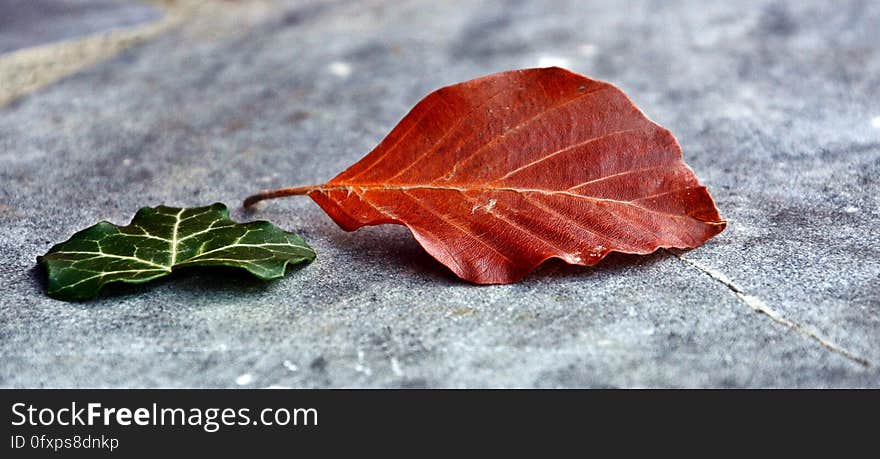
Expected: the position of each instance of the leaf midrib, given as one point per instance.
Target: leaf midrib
(172, 244)
(358, 189)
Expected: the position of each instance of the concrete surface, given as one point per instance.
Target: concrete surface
(775, 104)
(26, 23)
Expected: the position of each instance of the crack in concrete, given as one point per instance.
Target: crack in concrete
(758, 305)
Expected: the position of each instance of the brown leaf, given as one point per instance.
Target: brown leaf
(495, 175)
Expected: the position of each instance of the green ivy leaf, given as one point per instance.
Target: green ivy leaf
(161, 239)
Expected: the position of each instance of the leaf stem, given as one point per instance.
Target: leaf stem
(279, 193)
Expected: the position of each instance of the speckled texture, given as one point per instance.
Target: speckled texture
(775, 104)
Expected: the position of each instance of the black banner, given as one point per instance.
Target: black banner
(122, 423)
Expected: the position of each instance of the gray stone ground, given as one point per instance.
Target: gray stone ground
(26, 23)
(776, 104)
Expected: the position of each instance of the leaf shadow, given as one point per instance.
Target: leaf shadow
(556, 269)
(396, 246)
(202, 280)
(392, 245)
(38, 276)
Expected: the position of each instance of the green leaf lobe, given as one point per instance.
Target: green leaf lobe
(161, 239)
